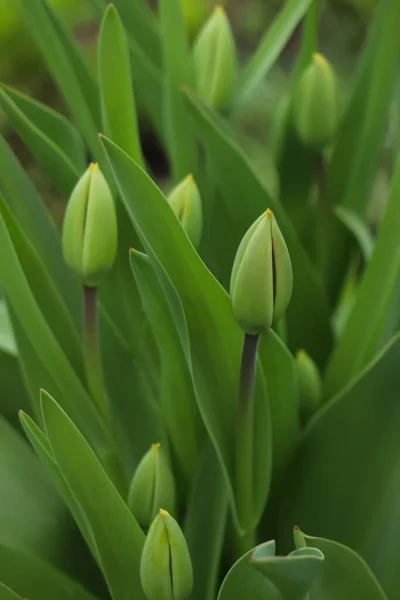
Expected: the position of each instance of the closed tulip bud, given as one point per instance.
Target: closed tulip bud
(316, 105)
(89, 237)
(165, 568)
(262, 277)
(215, 60)
(185, 201)
(152, 486)
(310, 384)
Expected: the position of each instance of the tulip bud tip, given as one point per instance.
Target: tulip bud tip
(156, 446)
(268, 212)
(189, 178)
(164, 513)
(296, 528)
(219, 9)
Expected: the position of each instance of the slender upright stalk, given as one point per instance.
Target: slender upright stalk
(322, 230)
(245, 441)
(94, 371)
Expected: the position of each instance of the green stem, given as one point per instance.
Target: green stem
(245, 440)
(94, 371)
(322, 230)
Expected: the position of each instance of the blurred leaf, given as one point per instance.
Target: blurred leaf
(244, 581)
(34, 220)
(7, 594)
(57, 164)
(363, 330)
(118, 103)
(67, 67)
(345, 480)
(344, 574)
(215, 337)
(7, 341)
(117, 535)
(271, 46)
(178, 71)
(245, 198)
(13, 392)
(53, 125)
(358, 228)
(178, 400)
(205, 525)
(352, 169)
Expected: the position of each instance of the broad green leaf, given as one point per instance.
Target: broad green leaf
(280, 376)
(178, 401)
(245, 199)
(117, 535)
(344, 574)
(32, 577)
(205, 525)
(352, 169)
(344, 483)
(358, 342)
(358, 228)
(47, 349)
(244, 581)
(42, 447)
(33, 218)
(178, 72)
(7, 594)
(118, 104)
(216, 339)
(57, 164)
(292, 575)
(46, 295)
(67, 68)
(53, 125)
(271, 46)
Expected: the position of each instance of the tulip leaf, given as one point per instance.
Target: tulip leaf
(344, 574)
(205, 525)
(118, 103)
(244, 581)
(358, 228)
(345, 479)
(352, 168)
(272, 44)
(52, 125)
(7, 594)
(14, 393)
(358, 342)
(117, 535)
(215, 338)
(245, 199)
(67, 67)
(178, 72)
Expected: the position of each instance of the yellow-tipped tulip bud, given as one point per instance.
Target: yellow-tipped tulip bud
(315, 104)
(166, 569)
(152, 487)
(262, 277)
(215, 60)
(89, 238)
(310, 384)
(185, 201)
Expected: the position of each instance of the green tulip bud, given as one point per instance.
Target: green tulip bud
(315, 104)
(165, 569)
(89, 237)
(215, 60)
(262, 277)
(185, 201)
(152, 486)
(310, 384)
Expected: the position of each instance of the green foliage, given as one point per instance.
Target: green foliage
(254, 440)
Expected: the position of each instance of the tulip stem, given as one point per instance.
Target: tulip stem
(322, 215)
(245, 439)
(94, 371)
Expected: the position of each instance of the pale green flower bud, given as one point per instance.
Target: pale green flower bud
(152, 487)
(166, 569)
(215, 60)
(185, 201)
(89, 237)
(310, 384)
(315, 104)
(262, 277)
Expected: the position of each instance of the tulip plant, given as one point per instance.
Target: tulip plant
(206, 366)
